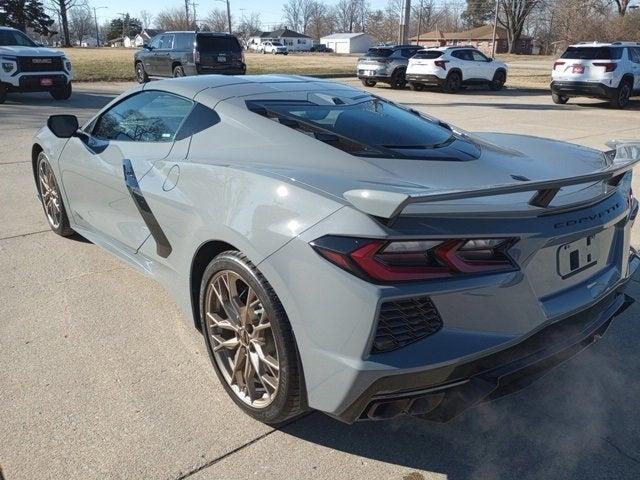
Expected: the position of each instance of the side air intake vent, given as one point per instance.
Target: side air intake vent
(402, 322)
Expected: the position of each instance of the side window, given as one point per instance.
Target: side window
(478, 56)
(150, 116)
(408, 52)
(635, 54)
(157, 41)
(460, 54)
(183, 41)
(167, 42)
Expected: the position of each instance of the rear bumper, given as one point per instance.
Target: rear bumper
(582, 89)
(492, 376)
(219, 70)
(427, 79)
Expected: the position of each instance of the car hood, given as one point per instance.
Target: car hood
(503, 159)
(30, 51)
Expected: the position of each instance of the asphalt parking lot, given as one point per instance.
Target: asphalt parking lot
(101, 376)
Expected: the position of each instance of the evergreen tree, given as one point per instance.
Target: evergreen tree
(23, 14)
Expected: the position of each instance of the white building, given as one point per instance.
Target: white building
(294, 41)
(349, 42)
(145, 37)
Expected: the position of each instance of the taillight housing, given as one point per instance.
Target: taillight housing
(441, 63)
(390, 261)
(196, 55)
(558, 64)
(608, 66)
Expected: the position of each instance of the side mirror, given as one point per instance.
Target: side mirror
(146, 46)
(489, 59)
(63, 126)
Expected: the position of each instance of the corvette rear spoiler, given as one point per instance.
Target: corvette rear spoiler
(390, 205)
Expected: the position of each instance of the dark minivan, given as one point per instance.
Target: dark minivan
(176, 54)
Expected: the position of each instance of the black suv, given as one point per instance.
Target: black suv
(176, 54)
(386, 64)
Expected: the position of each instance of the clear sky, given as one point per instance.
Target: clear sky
(270, 10)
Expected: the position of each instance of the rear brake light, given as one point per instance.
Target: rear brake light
(557, 64)
(401, 261)
(196, 56)
(441, 63)
(608, 66)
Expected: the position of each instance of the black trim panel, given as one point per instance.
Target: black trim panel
(163, 247)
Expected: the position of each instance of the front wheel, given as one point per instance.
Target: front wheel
(51, 198)
(499, 79)
(368, 83)
(559, 99)
(62, 93)
(621, 96)
(398, 81)
(249, 339)
(453, 83)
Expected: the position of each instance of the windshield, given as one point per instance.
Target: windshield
(276, 44)
(214, 43)
(372, 122)
(593, 53)
(13, 38)
(379, 52)
(427, 54)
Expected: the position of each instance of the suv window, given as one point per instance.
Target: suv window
(634, 53)
(379, 52)
(478, 56)
(428, 54)
(157, 41)
(462, 55)
(593, 53)
(14, 38)
(217, 43)
(408, 52)
(183, 41)
(166, 42)
(151, 116)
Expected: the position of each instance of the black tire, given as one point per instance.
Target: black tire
(59, 225)
(416, 87)
(398, 82)
(559, 99)
(499, 79)
(178, 71)
(453, 83)
(368, 83)
(288, 400)
(622, 95)
(141, 73)
(62, 93)
(3, 93)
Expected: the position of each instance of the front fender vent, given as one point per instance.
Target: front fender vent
(401, 322)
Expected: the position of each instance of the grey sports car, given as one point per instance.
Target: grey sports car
(343, 253)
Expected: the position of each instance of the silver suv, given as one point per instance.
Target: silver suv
(386, 65)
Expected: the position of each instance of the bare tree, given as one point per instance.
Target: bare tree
(622, 6)
(297, 14)
(216, 20)
(61, 9)
(146, 17)
(248, 27)
(347, 14)
(320, 20)
(173, 19)
(513, 14)
(80, 22)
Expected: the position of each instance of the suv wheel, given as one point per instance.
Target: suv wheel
(3, 93)
(559, 99)
(453, 83)
(368, 83)
(249, 339)
(499, 79)
(141, 74)
(178, 71)
(621, 96)
(397, 79)
(416, 87)
(62, 93)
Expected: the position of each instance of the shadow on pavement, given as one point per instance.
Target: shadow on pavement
(581, 421)
(84, 100)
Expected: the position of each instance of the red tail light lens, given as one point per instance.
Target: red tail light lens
(402, 261)
(608, 66)
(557, 64)
(441, 63)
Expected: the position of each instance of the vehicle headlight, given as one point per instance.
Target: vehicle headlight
(8, 65)
(67, 64)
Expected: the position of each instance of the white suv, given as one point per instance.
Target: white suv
(452, 67)
(27, 67)
(610, 71)
(274, 47)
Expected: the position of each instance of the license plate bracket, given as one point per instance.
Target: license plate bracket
(578, 69)
(46, 82)
(577, 256)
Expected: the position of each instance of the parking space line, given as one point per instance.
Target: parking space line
(24, 235)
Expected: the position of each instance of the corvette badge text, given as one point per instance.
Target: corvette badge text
(588, 218)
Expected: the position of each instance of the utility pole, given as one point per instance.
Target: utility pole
(186, 10)
(403, 35)
(229, 16)
(419, 22)
(495, 26)
(95, 19)
(195, 16)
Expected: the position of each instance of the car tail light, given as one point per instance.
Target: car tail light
(196, 55)
(401, 260)
(608, 66)
(441, 63)
(558, 64)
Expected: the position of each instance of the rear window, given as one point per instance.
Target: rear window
(215, 43)
(372, 123)
(427, 54)
(379, 52)
(593, 53)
